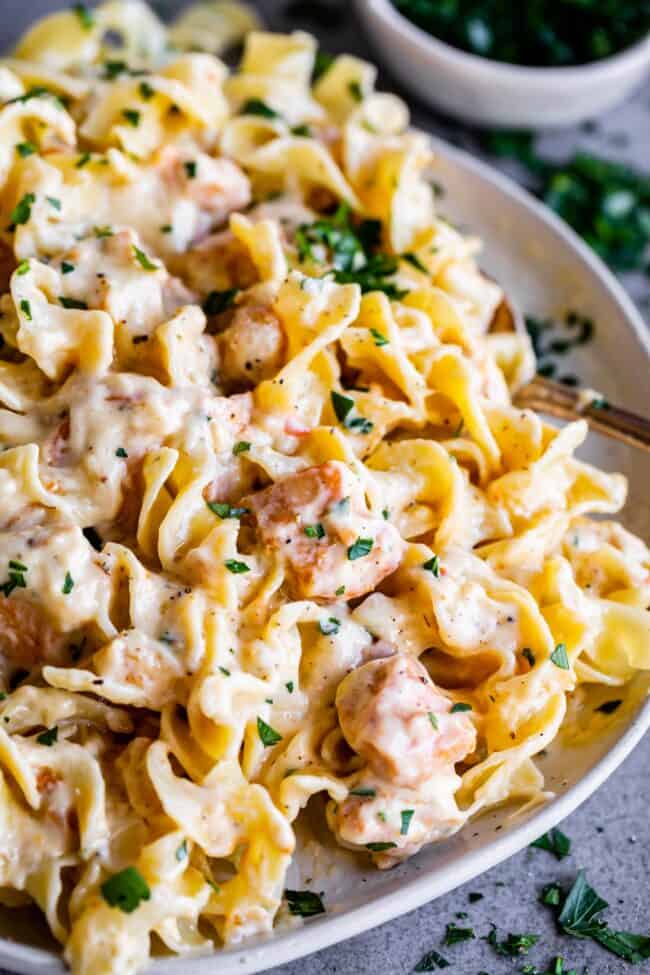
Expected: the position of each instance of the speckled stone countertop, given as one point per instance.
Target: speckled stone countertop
(610, 833)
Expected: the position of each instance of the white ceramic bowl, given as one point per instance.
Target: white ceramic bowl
(492, 93)
(546, 269)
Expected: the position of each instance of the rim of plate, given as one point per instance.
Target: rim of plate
(555, 75)
(330, 929)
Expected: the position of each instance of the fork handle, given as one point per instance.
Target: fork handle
(567, 403)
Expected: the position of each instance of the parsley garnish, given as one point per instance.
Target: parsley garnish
(330, 626)
(529, 655)
(68, 584)
(289, 686)
(303, 903)
(48, 737)
(23, 267)
(406, 816)
(554, 842)
(241, 447)
(83, 160)
(190, 169)
(513, 945)
(268, 735)
(218, 301)
(322, 63)
(433, 565)
(434, 721)
(380, 847)
(72, 303)
(455, 935)
(579, 918)
(143, 260)
(26, 309)
(314, 531)
(85, 16)
(236, 567)
(302, 130)
(378, 337)
(225, 510)
(132, 116)
(16, 578)
(125, 890)
(364, 792)
(114, 68)
(355, 90)
(22, 211)
(105, 231)
(339, 591)
(460, 706)
(342, 407)
(54, 202)
(560, 657)
(431, 961)
(360, 548)
(415, 261)
(25, 149)
(255, 106)
(121, 452)
(146, 90)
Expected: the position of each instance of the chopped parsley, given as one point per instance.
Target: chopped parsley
(237, 568)
(433, 719)
(22, 211)
(146, 90)
(268, 735)
(379, 338)
(132, 116)
(72, 303)
(83, 160)
(121, 452)
(84, 15)
(255, 106)
(48, 737)
(301, 130)
(380, 847)
(322, 63)
(455, 935)
(25, 149)
(355, 91)
(431, 961)
(218, 301)
(406, 816)
(339, 591)
(460, 706)
(360, 548)
(314, 531)
(145, 263)
(54, 202)
(363, 792)
(303, 903)
(579, 917)
(26, 309)
(16, 578)
(225, 510)
(415, 261)
(343, 406)
(330, 626)
(433, 565)
(513, 945)
(190, 169)
(555, 841)
(289, 686)
(23, 267)
(241, 447)
(125, 890)
(166, 228)
(105, 231)
(560, 657)
(68, 584)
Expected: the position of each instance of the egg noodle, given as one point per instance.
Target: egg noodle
(271, 527)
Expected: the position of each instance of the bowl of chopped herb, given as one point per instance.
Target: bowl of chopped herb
(545, 63)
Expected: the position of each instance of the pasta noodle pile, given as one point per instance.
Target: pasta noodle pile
(271, 527)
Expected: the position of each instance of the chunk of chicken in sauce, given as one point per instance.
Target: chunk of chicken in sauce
(27, 638)
(393, 715)
(318, 521)
(252, 348)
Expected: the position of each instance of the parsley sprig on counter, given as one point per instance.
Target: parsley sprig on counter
(607, 203)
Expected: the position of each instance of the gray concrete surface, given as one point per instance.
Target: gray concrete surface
(610, 833)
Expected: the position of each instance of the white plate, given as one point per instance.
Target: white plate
(547, 269)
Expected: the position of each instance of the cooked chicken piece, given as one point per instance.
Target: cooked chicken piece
(251, 349)
(395, 717)
(319, 521)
